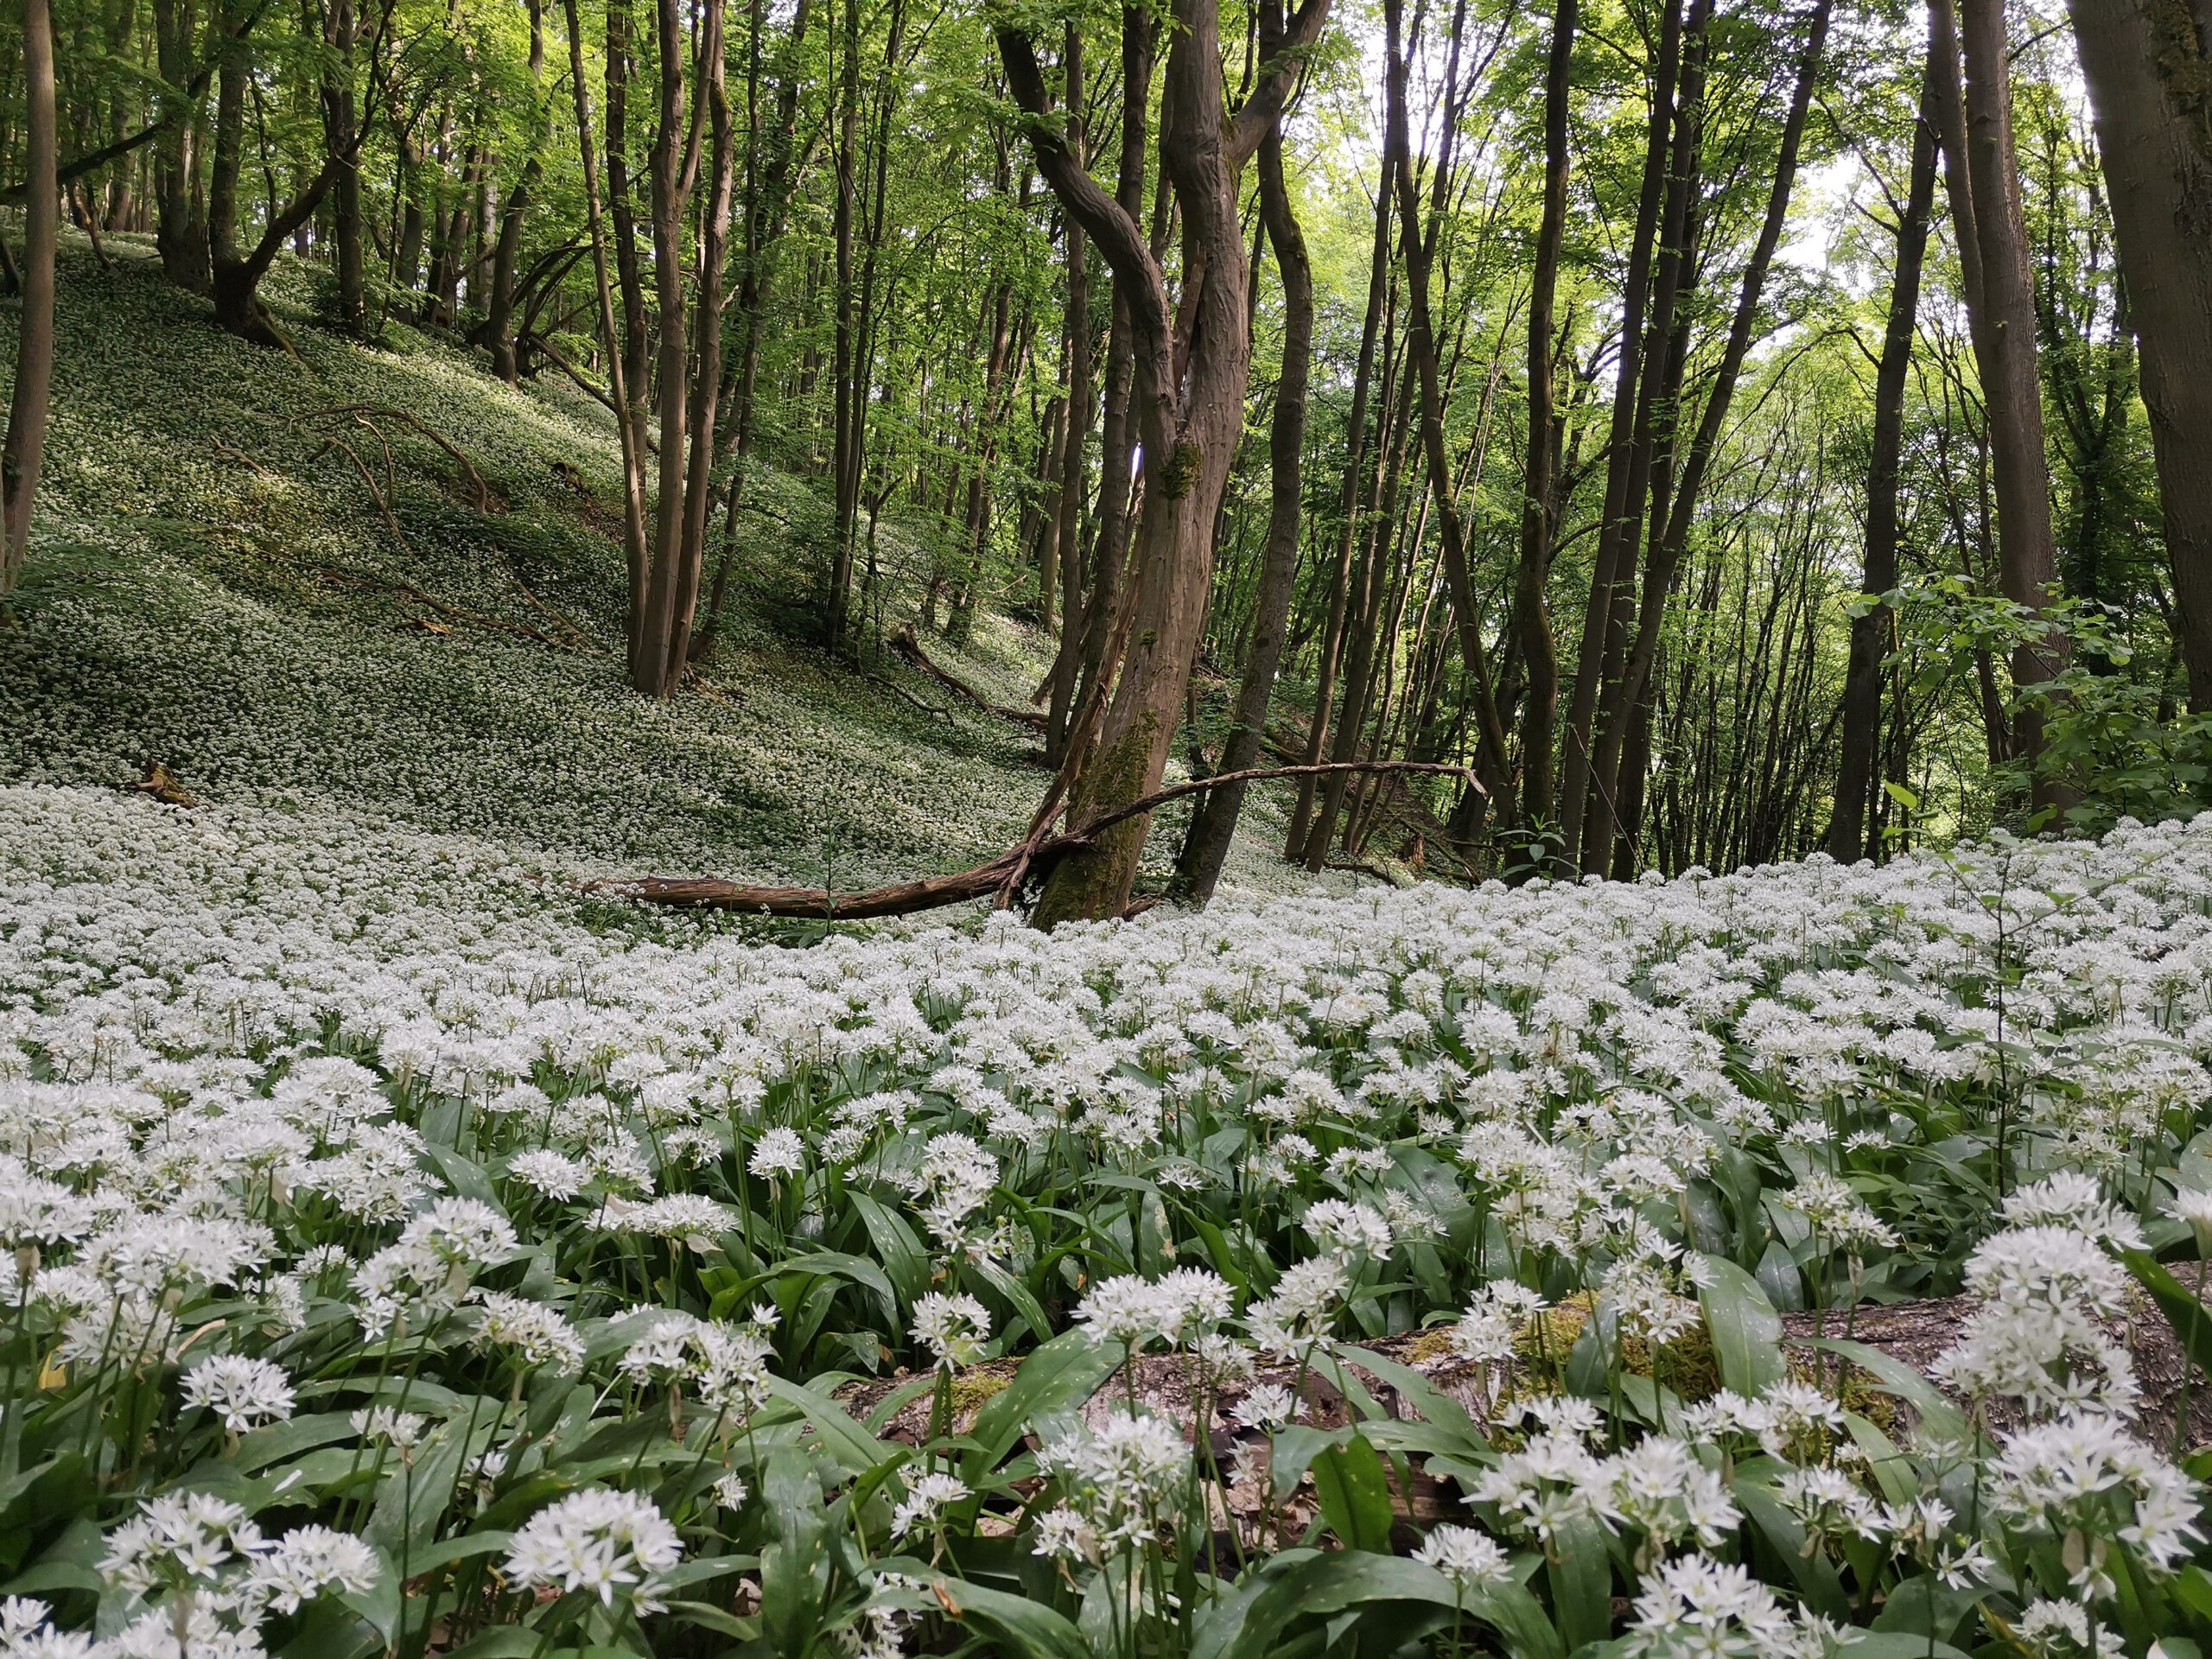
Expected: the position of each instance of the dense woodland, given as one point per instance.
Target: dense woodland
(1255, 513)
(1722, 433)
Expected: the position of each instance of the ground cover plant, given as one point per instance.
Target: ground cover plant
(400, 1261)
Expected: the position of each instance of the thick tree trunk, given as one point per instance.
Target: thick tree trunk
(2147, 71)
(1870, 634)
(2005, 347)
(1192, 375)
(183, 233)
(1214, 825)
(25, 445)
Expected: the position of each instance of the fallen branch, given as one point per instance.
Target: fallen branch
(240, 455)
(998, 875)
(472, 618)
(897, 689)
(908, 646)
(361, 412)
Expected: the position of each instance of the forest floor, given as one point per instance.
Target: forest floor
(266, 573)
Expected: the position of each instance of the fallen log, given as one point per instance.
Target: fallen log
(908, 646)
(998, 875)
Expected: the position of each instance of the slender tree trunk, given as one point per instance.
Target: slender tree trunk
(630, 429)
(1862, 685)
(1332, 629)
(2005, 339)
(1673, 536)
(25, 445)
(1491, 759)
(341, 29)
(1621, 513)
(1214, 826)
(2147, 71)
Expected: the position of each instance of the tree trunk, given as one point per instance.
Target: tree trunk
(340, 26)
(1193, 370)
(1672, 538)
(2004, 346)
(1870, 634)
(1623, 510)
(628, 426)
(25, 445)
(1332, 629)
(2147, 72)
(182, 236)
(1214, 826)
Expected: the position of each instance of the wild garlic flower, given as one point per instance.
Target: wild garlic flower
(599, 1542)
(1698, 1608)
(1470, 1559)
(1349, 1230)
(242, 1392)
(548, 1172)
(305, 1562)
(538, 1335)
(1268, 1407)
(2061, 1629)
(180, 1541)
(1181, 1305)
(928, 1497)
(952, 1327)
(1121, 1476)
(2085, 1480)
(1305, 1303)
(779, 1154)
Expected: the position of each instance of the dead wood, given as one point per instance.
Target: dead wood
(240, 455)
(162, 784)
(999, 876)
(368, 414)
(908, 646)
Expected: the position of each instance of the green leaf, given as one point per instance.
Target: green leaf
(1903, 797)
(857, 1269)
(842, 1438)
(2191, 1321)
(1940, 1418)
(1816, 1577)
(795, 1567)
(1746, 1330)
(1016, 1625)
(1295, 1448)
(1058, 1376)
(1582, 1582)
(895, 1241)
(1355, 1494)
(1322, 1586)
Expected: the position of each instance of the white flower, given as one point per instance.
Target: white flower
(242, 1392)
(308, 1560)
(927, 1498)
(538, 1334)
(600, 1542)
(952, 1327)
(778, 1153)
(1471, 1559)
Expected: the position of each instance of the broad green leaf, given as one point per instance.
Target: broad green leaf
(1017, 1625)
(1816, 1577)
(1942, 1419)
(1354, 1494)
(795, 1567)
(1582, 1582)
(1322, 1586)
(844, 1439)
(2191, 1320)
(903, 1260)
(1746, 1330)
(1058, 1376)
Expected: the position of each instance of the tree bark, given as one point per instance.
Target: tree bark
(25, 445)
(2145, 65)
(1623, 511)
(181, 237)
(1672, 539)
(1193, 370)
(1870, 634)
(2004, 346)
(340, 26)
(1214, 826)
